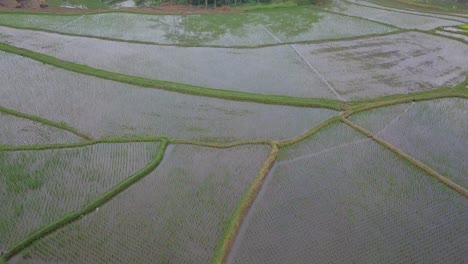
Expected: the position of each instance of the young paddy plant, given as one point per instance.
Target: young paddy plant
(433, 132)
(331, 204)
(176, 213)
(38, 187)
(110, 109)
(19, 131)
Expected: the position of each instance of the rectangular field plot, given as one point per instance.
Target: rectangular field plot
(272, 70)
(394, 64)
(434, 132)
(176, 214)
(357, 203)
(241, 29)
(38, 187)
(398, 19)
(19, 131)
(105, 108)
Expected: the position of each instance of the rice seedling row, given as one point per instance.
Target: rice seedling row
(446, 16)
(432, 131)
(40, 186)
(393, 64)
(108, 109)
(176, 213)
(399, 19)
(384, 209)
(18, 131)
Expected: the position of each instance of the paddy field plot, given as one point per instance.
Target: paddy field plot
(395, 18)
(432, 7)
(38, 187)
(175, 214)
(243, 29)
(356, 202)
(271, 70)
(393, 64)
(434, 132)
(105, 108)
(437, 14)
(19, 131)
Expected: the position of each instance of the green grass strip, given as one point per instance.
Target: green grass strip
(175, 87)
(409, 158)
(81, 144)
(367, 104)
(44, 121)
(232, 227)
(71, 217)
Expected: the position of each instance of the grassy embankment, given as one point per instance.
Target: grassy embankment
(465, 28)
(243, 206)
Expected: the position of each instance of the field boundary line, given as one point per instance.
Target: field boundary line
(402, 11)
(324, 80)
(409, 158)
(218, 144)
(243, 206)
(271, 34)
(309, 133)
(316, 71)
(362, 18)
(105, 197)
(181, 45)
(314, 154)
(59, 125)
(175, 87)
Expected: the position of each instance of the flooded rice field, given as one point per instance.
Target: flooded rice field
(333, 133)
(245, 29)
